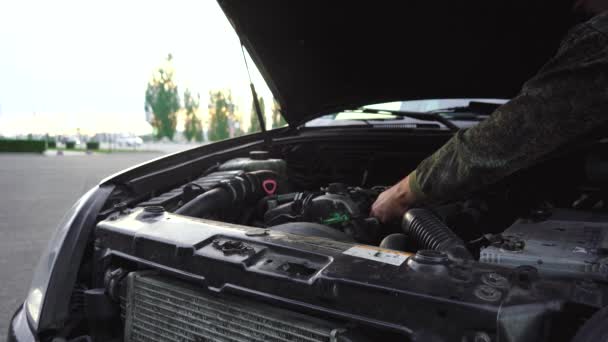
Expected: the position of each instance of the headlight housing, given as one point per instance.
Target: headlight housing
(59, 263)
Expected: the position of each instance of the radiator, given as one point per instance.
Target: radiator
(158, 308)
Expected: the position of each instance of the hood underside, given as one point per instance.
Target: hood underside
(322, 56)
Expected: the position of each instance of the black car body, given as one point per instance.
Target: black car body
(268, 237)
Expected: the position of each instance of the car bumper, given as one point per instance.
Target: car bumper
(19, 330)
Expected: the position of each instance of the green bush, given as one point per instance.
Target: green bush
(70, 145)
(22, 145)
(93, 145)
(51, 144)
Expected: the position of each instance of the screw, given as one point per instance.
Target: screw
(487, 293)
(495, 279)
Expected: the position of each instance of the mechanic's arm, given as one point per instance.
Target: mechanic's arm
(565, 100)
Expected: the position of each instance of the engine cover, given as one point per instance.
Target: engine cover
(567, 244)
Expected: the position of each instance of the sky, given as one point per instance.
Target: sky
(67, 64)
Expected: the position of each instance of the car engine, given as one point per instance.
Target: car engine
(244, 251)
(255, 191)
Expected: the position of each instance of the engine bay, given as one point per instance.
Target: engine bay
(263, 233)
(255, 191)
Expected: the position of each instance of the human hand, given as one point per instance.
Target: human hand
(394, 202)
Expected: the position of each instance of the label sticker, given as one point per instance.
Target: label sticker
(382, 255)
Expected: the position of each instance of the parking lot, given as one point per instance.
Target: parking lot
(35, 191)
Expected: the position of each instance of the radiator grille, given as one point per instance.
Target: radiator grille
(161, 309)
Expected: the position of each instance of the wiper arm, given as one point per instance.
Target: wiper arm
(414, 115)
(484, 108)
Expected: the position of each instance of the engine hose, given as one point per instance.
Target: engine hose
(246, 187)
(427, 231)
(262, 205)
(206, 203)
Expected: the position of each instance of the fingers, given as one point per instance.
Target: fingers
(391, 204)
(385, 211)
(377, 212)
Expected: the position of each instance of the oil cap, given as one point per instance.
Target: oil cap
(429, 256)
(430, 261)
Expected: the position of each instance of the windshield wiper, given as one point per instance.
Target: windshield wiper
(413, 115)
(474, 107)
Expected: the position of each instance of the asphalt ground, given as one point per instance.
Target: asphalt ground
(35, 192)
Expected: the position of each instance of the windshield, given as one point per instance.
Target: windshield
(391, 113)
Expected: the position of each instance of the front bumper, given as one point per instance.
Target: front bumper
(19, 330)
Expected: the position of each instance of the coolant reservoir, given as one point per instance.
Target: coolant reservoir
(257, 160)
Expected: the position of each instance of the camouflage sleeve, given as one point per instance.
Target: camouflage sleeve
(566, 99)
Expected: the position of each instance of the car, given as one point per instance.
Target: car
(70, 140)
(129, 141)
(268, 236)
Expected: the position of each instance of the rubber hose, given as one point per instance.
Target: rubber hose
(396, 241)
(262, 205)
(206, 203)
(427, 231)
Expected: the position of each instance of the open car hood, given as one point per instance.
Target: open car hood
(319, 57)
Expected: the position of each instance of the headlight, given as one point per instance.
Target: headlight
(40, 281)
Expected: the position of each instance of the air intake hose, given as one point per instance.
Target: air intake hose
(427, 231)
(247, 187)
(206, 203)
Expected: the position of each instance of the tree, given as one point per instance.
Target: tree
(277, 118)
(220, 109)
(255, 122)
(193, 129)
(162, 100)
